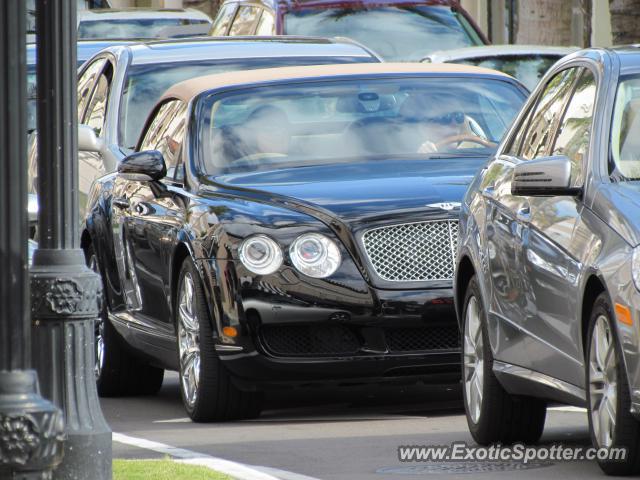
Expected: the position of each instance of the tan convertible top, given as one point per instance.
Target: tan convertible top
(190, 88)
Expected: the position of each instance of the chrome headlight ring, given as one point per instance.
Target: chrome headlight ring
(315, 255)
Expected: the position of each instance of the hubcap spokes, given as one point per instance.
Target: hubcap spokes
(188, 341)
(473, 360)
(603, 382)
(99, 329)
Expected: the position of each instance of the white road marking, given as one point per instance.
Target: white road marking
(284, 475)
(568, 408)
(237, 470)
(174, 420)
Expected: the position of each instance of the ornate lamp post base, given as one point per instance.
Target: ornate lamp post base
(65, 301)
(31, 428)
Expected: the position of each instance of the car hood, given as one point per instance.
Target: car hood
(365, 191)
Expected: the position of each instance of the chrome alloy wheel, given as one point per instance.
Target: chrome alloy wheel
(473, 360)
(99, 327)
(603, 382)
(188, 341)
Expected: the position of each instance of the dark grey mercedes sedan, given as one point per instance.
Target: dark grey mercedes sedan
(547, 285)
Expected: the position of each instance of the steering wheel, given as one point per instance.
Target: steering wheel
(471, 126)
(257, 160)
(245, 161)
(464, 138)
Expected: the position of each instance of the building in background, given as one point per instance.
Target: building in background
(545, 22)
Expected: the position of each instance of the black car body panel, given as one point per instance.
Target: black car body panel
(292, 329)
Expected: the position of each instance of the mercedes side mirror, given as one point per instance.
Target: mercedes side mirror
(145, 166)
(543, 177)
(88, 141)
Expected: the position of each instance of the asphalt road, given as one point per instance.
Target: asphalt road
(346, 434)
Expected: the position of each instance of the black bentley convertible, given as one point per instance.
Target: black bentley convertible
(291, 226)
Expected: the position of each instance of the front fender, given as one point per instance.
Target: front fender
(470, 248)
(97, 225)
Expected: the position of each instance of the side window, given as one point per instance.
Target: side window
(166, 133)
(245, 21)
(222, 21)
(151, 136)
(574, 132)
(97, 108)
(85, 84)
(513, 143)
(266, 24)
(543, 119)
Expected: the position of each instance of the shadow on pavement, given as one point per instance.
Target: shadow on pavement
(313, 404)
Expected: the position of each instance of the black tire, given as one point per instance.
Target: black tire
(217, 398)
(503, 418)
(626, 433)
(122, 373)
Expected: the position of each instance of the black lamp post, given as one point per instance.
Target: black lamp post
(31, 428)
(65, 294)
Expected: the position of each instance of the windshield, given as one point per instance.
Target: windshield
(625, 129)
(529, 69)
(145, 84)
(131, 28)
(395, 33)
(313, 123)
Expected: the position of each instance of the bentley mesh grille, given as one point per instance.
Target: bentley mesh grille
(413, 252)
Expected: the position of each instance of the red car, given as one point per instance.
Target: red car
(397, 30)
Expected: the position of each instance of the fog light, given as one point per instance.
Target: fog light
(230, 332)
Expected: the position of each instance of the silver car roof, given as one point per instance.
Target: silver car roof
(211, 48)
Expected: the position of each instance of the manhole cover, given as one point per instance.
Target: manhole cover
(461, 467)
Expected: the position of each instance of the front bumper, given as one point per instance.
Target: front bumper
(258, 371)
(315, 336)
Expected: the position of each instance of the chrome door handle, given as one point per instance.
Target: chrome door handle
(489, 192)
(120, 202)
(523, 214)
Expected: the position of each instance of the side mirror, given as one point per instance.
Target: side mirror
(88, 141)
(145, 166)
(543, 177)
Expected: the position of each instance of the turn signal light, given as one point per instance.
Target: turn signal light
(623, 314)
(230, 332)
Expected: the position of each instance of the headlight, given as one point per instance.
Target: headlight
(635, 267)
(260, 254)
(315, 255)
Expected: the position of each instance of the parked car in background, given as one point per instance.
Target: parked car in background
(139, 23)
(86, 49)
(119, 86)
(397, 30)
(291, 226)
(80, 5)
(527, 63)
(548, 270)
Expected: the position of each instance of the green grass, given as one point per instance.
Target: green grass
(162, 470)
